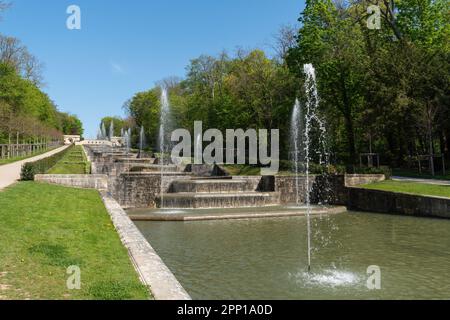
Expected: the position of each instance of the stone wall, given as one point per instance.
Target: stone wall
(95, 181)
(287, 187)
(353, 180)
(258, 183)
(397, 203)
(140, 189)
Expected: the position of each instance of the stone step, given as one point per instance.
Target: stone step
(136, 161)
(154, 168)
(211, 186)
(218, 200)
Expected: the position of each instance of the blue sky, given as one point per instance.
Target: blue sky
(126, 46)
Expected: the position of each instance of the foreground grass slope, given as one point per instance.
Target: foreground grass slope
(411, 187)
(73, 162)
(44, 229)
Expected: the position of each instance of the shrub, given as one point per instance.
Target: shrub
(30, 169)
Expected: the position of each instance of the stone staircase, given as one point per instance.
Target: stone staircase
(215, 193)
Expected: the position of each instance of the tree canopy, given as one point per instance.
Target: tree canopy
(381, 90)
(25, 110)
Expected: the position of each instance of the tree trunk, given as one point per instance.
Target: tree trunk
(349, 127)
(430, 145)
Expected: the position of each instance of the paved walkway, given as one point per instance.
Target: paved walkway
(10, 173)
(427, 181)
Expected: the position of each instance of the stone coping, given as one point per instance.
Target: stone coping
(150, 267)
(68, 176)
(235, 216)
(83, 181)
(400, 193)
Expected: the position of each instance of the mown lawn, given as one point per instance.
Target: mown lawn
(11, 160)
(44, 229)
(73, 162)
(411, 187)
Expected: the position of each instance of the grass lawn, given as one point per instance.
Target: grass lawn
(44, 229)
(11, 160)
(73, 162)
(411, 187)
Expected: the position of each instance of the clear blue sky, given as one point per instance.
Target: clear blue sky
(126, 46)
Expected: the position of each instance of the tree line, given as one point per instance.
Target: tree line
(383, 90)
(27, 114)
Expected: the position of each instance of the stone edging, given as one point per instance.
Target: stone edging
(83, 181)
(381, 201)
(152, 270)
(238, 216)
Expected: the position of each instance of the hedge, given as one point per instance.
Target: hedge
(30, 169)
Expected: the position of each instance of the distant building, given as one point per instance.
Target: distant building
(70, 139)
(117, 141)
(95, 143)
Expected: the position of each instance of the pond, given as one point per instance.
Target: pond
(267, 258)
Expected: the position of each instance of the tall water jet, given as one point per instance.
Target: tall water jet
(129, 139)
(126, 142)
(296, 141)
(103, 131)
(111, 131)
(198, 154)
(163, 127)
(141, 142)
(312, 104)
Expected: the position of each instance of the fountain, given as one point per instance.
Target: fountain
(296, 140)
(111, 131)
(198, 155)
(126, 140)
(311, 117)
(164, 118)
(141, 142)
(103, 131)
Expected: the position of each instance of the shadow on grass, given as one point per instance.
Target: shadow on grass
(54, 255)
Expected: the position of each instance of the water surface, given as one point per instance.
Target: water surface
(267, 258)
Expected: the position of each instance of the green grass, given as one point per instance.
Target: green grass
(411, 187)
(11, 160)
(74, 162)
(413, 174)
(44, 229)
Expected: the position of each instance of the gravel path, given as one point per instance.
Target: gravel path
(427, 181)
(10, 173)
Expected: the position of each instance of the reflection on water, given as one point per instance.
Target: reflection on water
(326, 278)
(267, 258)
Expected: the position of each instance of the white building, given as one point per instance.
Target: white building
(70, 139)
